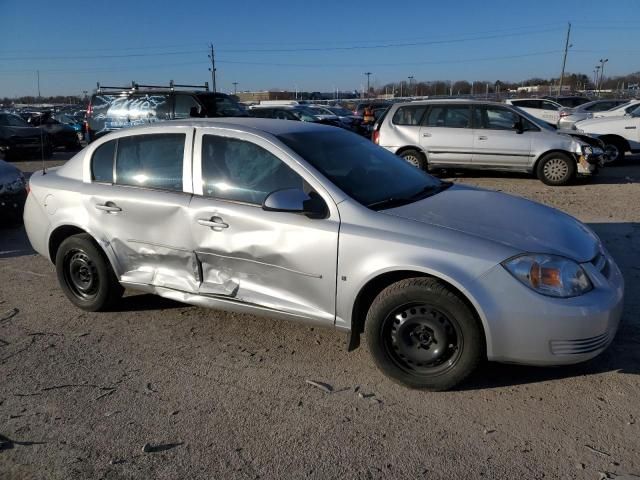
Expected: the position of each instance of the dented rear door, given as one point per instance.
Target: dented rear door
(143, 214)
(282, 261)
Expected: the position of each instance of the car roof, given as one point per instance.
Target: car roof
(245, 124)
(450, 100)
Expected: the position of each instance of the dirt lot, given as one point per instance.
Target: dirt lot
(218, 395)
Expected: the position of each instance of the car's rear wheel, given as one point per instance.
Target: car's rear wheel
(613, 150)
(415, 158)
(85, 275)
(422, 335)
(556, 169)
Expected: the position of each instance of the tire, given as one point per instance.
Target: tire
(614, 150)
(556, 168)
(415, 158)
(422, 335)
(85, 274)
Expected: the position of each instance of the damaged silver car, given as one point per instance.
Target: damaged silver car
(315, 224)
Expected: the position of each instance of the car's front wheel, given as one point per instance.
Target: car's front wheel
(85, 275)
(556, 169)
(415, 158)
(613, 150)
(422, 335)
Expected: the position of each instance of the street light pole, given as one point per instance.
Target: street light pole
(410, 77)
(235, 87)
(368, 74)
(602, 62)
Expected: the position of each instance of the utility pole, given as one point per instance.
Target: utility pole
(410, 77)
(564, 59)
(602, 62)
(235, 87)
(38, 72)
(368, 74)
(213, 67)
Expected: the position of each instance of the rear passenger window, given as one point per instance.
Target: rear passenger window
(452, 116)
(242, 171)
(549, 106)
(152, 161)
(102, 162)
(409, 115)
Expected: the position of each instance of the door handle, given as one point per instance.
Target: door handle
(426, 134)
(482, 137)
(108, 207)
(215, 223)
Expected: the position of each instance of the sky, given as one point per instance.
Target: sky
(306, 45)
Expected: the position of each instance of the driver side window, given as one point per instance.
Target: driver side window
(242, 171)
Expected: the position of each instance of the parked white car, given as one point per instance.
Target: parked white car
(546, 110)
(619, 134)
(620, 110)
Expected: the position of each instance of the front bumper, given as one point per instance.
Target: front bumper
(523, 326)
(589, 163)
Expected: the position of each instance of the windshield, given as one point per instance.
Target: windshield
(10, 120)
(341, 111)
(304, 114)
(366, 172)
(534, 120)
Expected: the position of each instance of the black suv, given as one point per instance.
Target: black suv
(113, 108)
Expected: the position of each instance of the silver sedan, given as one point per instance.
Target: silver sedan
(315, 224)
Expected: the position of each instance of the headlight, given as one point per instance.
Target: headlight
(586, 149)
(549, 274)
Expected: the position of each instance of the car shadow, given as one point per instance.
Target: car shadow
(622, 240)
(140, 302)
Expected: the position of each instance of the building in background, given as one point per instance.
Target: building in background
(265, 95)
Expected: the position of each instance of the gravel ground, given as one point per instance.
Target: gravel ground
(219, 395)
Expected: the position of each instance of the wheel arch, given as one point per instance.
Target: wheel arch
(370, 290)
(60, 233)
(617, 139)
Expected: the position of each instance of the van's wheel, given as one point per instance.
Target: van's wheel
(415, 158)
(613, 150)
(85, 275)
(556, 168)
(422, 335)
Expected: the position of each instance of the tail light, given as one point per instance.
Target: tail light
(376, 137)
(564, 114)
(89, 110)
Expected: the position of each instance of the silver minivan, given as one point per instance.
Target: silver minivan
(485, 135)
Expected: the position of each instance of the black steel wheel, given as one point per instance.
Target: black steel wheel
(85, 275)
(422, 339)
(422, 334)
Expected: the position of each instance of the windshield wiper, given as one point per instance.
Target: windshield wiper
(425, 192)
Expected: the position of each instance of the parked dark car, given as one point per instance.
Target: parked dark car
(17, 138)
(292, 112)
(13, 193)
(113, 108)
(61, 134)
(569, 101)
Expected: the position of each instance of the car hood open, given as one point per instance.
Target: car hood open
(512, 221)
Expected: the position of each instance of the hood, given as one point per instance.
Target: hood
(588, 139)
(10, 176)
(7, 132)
(512, 221)
(602, 121)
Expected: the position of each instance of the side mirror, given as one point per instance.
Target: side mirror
(294, 200)
(517, 126)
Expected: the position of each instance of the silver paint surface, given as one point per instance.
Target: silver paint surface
(289, 266)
